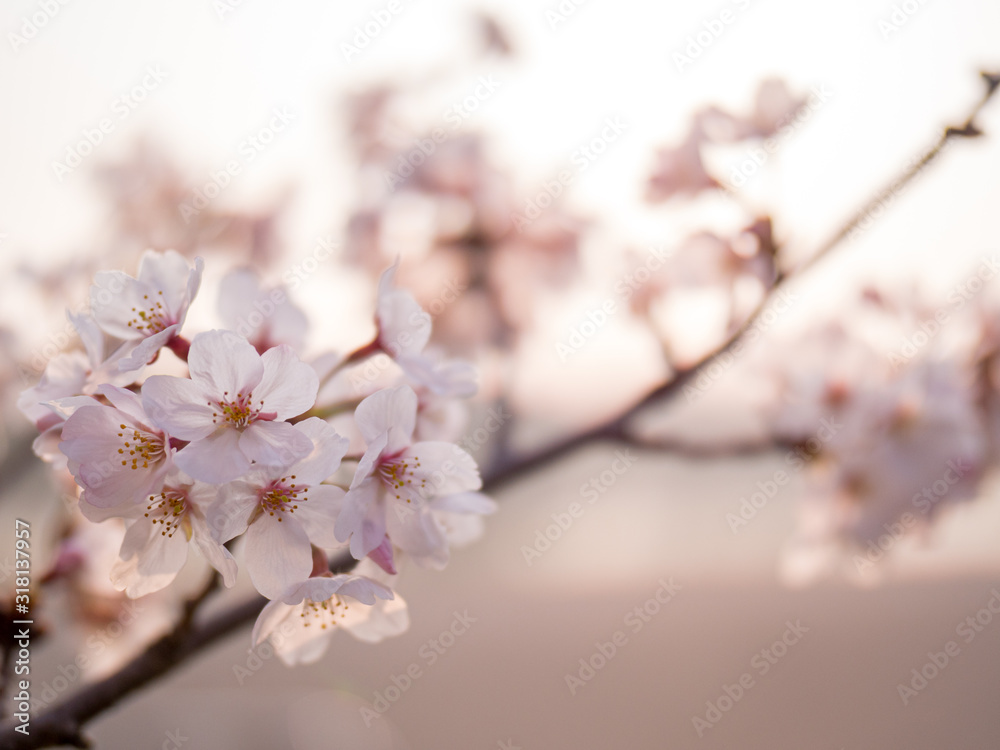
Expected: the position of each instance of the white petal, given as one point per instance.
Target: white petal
(214, 459)
(416, 532)
(274, 443)
(90, 335)
(125, 400)
(167, 272)
(178, 406)
(362, 519)
(385, 619)
(454, 378)
(274, 613)
(218, 556)
(288, 386)
(115, 298)
(404, 328)
(366, 466)
(444, 467)
(390, 410)
(145, 350)
(278, 554)
(229, 515)
(149, 560)
(329, 448)
(224, 364)
(318, 515)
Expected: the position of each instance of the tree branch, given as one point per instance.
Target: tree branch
(63, 723)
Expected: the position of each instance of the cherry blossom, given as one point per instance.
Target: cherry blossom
(284, 508)
(232, 406)
(148, 309)
(311, 611)
(116, 453)
(397, 478)
(155, 546)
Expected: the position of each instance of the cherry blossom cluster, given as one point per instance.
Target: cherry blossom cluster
(242, 443)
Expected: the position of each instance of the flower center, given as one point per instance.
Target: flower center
(238, 412)
(323, 613)
(169, 509)
(398, 475)
(139, 446)
(151, 319)
(281, 497)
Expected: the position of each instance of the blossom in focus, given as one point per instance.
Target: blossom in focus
(397, 479)
(148, 309)
(160, 531)
(115, 452)
(232, 407)
(284, 508)
(318, 607)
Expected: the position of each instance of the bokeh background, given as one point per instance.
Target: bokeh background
(549, 76)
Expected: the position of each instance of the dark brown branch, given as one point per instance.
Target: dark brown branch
(63, 724)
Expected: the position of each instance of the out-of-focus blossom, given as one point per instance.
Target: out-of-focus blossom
(266, 317)
(73, 373)
(309, 612)
(680, 171)
(774, 106)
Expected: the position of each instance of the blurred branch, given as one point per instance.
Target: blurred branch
(63, 724)
(512, 467)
